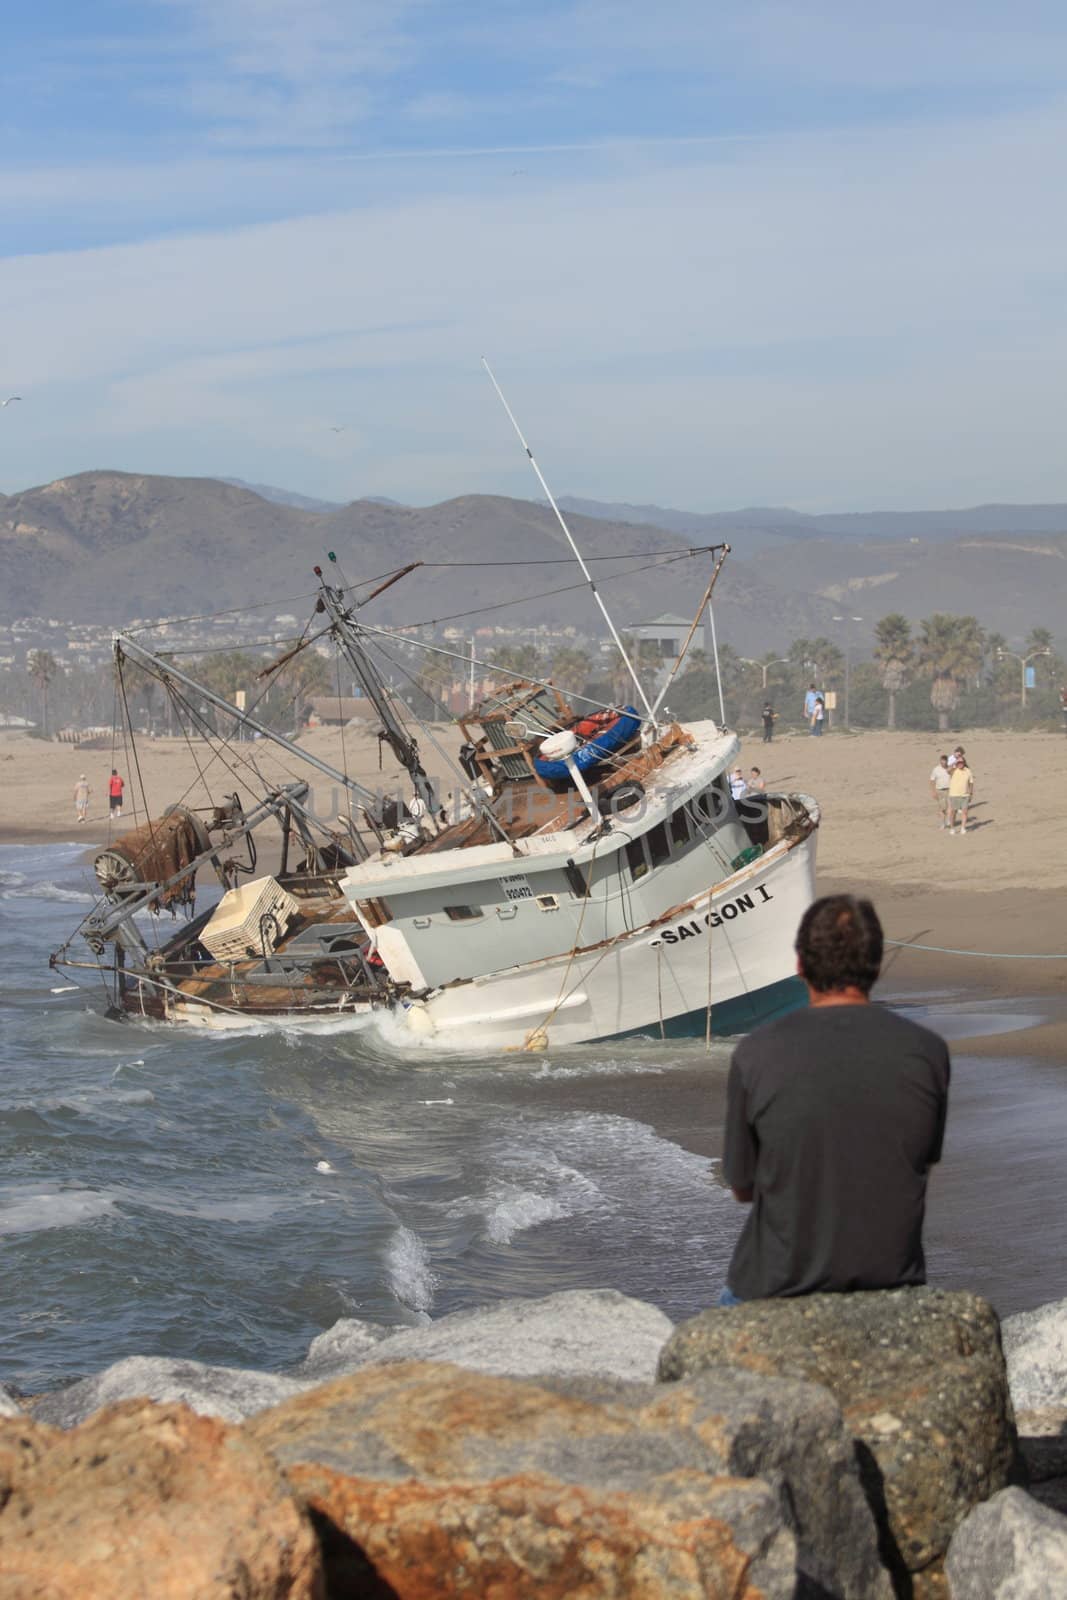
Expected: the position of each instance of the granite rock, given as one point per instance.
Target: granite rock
(1035, 1349)
(1011, 1548)
(9, 1404)
(225, 1392)
(920, 1379)
(395, 1431)
(594, 1332)
(341, 1349)
(532, 1537)
(149, 1500)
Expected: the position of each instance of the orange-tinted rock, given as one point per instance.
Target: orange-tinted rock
(535, 1538)
(402, 1430)
(147, 1500)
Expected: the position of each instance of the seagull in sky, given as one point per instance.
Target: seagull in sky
(337, 430)
(8, 401)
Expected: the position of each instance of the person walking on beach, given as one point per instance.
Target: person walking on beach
(834, 1116)
(939, 782)
(809, 702)
(81, 797)
(960, 792)
(818, 716)
(770, 717)
(114, 793)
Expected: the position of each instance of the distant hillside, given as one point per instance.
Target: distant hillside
(284, 497)
(771, 524)
(107, 547)
(111, 546)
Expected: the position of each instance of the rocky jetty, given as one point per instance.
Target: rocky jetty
(575, 1446)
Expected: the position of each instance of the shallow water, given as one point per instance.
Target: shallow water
(226, 1197)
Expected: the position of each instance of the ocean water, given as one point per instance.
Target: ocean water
(227, 1197)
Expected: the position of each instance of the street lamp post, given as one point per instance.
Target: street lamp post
(1024, 662)
(765, 666)
(848, 653)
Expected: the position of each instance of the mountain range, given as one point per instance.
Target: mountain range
(108, 546)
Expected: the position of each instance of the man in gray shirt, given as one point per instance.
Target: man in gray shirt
(834, 1117)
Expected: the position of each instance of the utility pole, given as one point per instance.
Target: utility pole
(1024, 662)
(848, 662)
(765, 666)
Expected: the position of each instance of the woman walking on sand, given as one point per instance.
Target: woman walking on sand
(82, 792)
(960, 792)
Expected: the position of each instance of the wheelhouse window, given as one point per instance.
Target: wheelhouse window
(659, 848)
(635, 855)
(680, 828)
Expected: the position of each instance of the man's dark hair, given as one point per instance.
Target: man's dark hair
(839, 943)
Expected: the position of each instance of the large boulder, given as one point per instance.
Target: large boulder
(1011, 1548)
(1035, 1348)
(149, 1500)
(342, 1348)
(594, 1332)
(920, 1378)
(9, 1404)
(229, 1393)
(532, 1537)
(394, 1451)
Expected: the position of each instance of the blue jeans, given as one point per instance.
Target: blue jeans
(728, 1298)
(816, 729)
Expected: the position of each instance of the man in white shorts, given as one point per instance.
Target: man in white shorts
(939, 782)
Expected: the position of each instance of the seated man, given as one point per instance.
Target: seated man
(834, 1116)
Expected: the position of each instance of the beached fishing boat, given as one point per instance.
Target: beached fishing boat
(592, 877)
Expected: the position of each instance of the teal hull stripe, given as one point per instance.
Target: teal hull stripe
(739, 1015)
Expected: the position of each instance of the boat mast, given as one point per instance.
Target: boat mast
(346, 631)
(588, 576)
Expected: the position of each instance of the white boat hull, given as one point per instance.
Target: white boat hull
(730, 948)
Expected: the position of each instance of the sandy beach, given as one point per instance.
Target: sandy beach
(999, 890)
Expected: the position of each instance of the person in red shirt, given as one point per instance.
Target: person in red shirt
(114, 791)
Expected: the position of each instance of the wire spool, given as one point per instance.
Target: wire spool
(151, 854)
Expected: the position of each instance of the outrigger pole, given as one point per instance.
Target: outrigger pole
(588, 576)
(124, 646)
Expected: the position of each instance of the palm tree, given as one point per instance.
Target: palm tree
(436, 678)
(1048, 666)
(950, 652)
(42, 668)
(518, 660)
(894, 656)
(571, 670)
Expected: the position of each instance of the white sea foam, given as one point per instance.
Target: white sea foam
(63, 1208)
(514, 1210)
(536, 1188)
(407, 1267)
(50, 891)
(64, 988)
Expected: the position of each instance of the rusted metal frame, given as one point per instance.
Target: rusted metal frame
(104, 925)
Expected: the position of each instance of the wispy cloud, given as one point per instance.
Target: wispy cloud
(826, 322)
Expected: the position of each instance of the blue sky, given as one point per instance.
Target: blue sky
(719, 254)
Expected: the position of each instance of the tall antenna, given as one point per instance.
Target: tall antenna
(587, 575)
